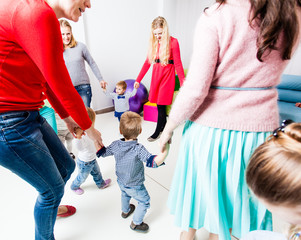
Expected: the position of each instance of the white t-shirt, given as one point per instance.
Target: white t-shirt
(264, 235)
(86, 149)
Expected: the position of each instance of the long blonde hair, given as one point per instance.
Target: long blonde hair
(73, 43)
(164, 52)
(274, 170)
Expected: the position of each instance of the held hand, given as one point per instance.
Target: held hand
(103, 84)
(136, 85)
(95, 135)
(79, 132)
(73, 127)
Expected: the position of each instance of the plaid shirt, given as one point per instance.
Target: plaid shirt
(129, 157)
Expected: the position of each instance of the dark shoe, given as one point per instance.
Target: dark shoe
(132, 209)
(143, 227)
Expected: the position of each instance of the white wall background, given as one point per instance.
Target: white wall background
(117, 32)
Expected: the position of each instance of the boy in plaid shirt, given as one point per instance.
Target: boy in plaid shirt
(129, 156)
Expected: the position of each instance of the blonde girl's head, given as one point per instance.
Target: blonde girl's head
(130, 125)
(67, 35)
(274, 175)
(159, 24)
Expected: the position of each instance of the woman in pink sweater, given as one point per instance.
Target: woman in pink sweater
(229, 103)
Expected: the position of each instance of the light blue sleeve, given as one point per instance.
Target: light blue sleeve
(110, 94)
(131, 94)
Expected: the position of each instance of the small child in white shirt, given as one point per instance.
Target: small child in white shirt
(86, 161)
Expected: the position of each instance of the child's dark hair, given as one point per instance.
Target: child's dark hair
(130, 125)
(122, 84)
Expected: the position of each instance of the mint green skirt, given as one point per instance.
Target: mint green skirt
(209, 188)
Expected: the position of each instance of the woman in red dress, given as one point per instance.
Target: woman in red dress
(164, 54)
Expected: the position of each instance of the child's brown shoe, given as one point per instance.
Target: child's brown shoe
(132, 209)
(143, 227)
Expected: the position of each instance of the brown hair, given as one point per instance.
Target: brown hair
(91, 113)
(65, 23)
(274, 19)
(122, 84)
(130, 125)
(274, 170)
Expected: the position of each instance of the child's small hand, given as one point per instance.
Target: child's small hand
(103, 84)
(78, 132)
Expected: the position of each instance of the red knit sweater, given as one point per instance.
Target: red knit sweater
(32, 64)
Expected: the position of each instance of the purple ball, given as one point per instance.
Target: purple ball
(136, 102)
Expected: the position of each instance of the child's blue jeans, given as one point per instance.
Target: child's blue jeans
(30, 148)
(140, 194)
(84, 169)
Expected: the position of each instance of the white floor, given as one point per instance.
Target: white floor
(98, 211)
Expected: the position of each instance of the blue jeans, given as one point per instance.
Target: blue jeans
(31, 149)
(118, 115)
(84, 169)
(85, 92)
(140, 194)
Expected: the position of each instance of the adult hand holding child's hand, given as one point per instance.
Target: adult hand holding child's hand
(73, 127)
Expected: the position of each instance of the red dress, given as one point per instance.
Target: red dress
(163, 77)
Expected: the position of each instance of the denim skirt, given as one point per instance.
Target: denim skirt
(209, 188)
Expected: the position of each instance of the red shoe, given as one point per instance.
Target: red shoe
(70, 211)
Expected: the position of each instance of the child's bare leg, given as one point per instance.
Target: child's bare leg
(188, 235)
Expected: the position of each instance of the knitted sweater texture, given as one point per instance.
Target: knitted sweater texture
(224, 55)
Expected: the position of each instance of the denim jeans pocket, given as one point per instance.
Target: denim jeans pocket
(13, 119)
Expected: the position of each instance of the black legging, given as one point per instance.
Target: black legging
(161, 120)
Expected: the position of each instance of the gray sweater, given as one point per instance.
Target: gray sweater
(75, 61)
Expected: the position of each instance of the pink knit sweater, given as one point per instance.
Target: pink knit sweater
(224, 55)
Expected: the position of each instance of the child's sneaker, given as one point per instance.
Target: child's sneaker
(107, 183)
(132, 209)
(143, 227)
(78, 191)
